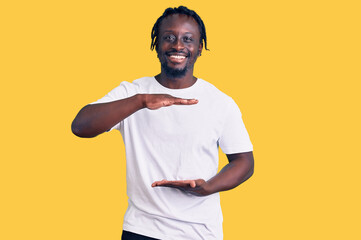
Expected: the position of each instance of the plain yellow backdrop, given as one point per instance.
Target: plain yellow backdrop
(293, 67)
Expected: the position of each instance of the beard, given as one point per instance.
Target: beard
(174, 72)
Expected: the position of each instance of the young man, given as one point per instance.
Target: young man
(172, 125)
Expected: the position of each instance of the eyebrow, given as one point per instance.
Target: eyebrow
(169, 31)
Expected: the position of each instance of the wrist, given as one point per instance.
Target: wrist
(142, 100)
(207, 189)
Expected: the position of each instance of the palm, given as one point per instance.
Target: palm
(155, 101)
(195, 187)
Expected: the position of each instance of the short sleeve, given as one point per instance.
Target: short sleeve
(124, 90)
(234, 137)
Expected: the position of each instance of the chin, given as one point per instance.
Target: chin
(174, 72)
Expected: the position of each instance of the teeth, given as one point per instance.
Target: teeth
(177, 56)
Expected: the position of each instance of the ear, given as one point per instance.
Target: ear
(200, 48)
(156, 50)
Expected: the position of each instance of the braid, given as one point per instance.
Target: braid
(178, 10)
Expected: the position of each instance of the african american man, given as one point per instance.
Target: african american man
(172, 126)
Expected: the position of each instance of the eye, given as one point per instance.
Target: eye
(188, 39)
(169, 38)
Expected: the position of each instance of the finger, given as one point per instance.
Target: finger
(186, 183)
(159, 183)
(180, 183)
(182, 101)
(165, 183)
(162, 184)
(175, 183)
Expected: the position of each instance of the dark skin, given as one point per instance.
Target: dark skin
(238, 170)
(178, 35)
(178, 48)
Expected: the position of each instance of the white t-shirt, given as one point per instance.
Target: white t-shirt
(178, 142)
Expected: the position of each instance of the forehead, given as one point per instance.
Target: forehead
(179, 22)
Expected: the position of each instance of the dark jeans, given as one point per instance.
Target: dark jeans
(133, 236)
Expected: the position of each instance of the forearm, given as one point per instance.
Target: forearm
(95, 119)
(238, 170)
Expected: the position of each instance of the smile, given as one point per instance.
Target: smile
(177, 57)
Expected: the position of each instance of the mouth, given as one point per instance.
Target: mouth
(180, 57)
(176, 58)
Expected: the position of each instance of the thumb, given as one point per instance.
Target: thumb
(193, 184)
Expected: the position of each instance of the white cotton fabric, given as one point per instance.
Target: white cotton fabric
(177, 143)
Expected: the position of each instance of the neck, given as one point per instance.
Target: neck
(176, 83)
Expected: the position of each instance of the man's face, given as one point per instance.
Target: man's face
(178, 44)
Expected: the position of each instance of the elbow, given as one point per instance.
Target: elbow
(79, 130)
(76, 129)
(247, 176)
(80, 126)
(251, 167)
(250, 172)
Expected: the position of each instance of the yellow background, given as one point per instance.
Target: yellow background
(293, 67)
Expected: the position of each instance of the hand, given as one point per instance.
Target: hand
(155, 101)
(195, 187)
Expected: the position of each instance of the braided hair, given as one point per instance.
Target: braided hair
(178, 10)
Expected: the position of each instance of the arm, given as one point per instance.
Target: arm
(238, 170)
(95, 119)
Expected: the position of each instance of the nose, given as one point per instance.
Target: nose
(178, 44)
